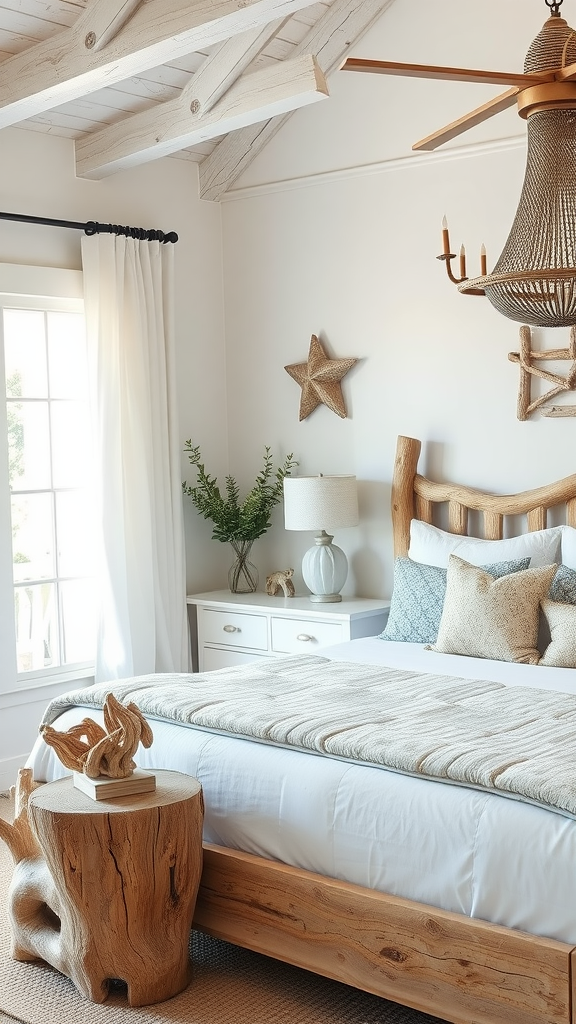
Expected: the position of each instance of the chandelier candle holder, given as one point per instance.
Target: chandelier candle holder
(314, 503)
(448, 256)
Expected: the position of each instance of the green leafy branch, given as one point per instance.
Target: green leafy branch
(232, 519)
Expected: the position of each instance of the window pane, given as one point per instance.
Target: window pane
(29, 445)
(36, 627)
(50, 457)
(79, 620)
(70, 444)
(25, 353)
(66, 355)
(75, 532)
(32, 537)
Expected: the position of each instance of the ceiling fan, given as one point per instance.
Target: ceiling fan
(534, 280)
(543, 80)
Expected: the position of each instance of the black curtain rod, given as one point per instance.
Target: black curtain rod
(92, 227)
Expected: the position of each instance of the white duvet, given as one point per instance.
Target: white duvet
(462, 850)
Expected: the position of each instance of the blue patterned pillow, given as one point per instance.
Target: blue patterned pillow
(563, 587)
(418, 598)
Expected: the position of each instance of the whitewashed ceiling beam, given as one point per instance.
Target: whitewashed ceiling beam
(106, 19)
(224, 66)
(331, 39)
(268, 92)
(141, 133)
(69, 65)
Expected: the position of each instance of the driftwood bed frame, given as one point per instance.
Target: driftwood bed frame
(462, 970)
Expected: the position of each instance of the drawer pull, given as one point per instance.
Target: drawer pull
(304, 636)
(231, 629)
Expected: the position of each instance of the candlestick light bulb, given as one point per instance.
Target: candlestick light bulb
(462, 262)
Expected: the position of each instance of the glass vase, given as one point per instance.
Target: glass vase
(243, 574)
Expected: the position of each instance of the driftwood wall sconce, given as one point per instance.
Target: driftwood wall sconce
(528, 360)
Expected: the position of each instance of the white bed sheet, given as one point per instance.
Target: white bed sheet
(462, 850)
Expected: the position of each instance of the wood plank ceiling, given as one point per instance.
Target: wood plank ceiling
(204, 80)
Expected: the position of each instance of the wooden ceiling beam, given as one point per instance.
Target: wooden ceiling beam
(224, 66)
(106, 19)
(331, 39)
(273, 90)
(71, 64)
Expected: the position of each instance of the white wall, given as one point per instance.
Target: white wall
(334, 230)
(37, 177)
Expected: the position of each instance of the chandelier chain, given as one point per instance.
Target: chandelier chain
(554, 6)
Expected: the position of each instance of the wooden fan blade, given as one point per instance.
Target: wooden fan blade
(566, 74)
(477, 116)
(387, 67)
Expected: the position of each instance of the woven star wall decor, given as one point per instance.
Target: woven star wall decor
(320, 379)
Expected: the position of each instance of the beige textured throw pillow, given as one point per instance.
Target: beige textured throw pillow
(561, 652)
(485, 617)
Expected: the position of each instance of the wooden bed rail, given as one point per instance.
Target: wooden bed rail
(461, 970)
(414, 497)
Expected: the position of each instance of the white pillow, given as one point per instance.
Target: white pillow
(433, 546)
(569, 546)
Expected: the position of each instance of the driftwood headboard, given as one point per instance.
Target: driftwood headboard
(414, 497)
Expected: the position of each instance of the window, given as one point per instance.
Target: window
(48, 477)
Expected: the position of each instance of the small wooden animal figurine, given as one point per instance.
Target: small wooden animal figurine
(280, 580)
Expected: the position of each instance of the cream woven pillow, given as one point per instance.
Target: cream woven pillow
(487, 618)
(561, 652)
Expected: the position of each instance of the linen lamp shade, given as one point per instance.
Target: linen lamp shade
(314, 503)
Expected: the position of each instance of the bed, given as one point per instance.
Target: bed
(446, 898)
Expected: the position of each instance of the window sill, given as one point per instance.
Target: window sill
(41, 687)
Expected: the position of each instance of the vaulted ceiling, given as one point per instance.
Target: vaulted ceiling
(205, 80)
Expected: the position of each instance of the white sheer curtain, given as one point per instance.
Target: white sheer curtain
(128, 291)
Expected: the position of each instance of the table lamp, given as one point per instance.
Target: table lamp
(314, 503)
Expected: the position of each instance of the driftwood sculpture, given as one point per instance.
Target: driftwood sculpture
(280, 580)
(528, 360)
(95, 751)
(106, 891)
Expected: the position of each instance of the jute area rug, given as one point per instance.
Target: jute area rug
(229, 986)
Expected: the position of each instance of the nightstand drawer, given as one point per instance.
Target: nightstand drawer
(233, 629)
(219, 657)
(304, 635)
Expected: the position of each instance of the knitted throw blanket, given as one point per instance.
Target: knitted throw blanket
(515, 741)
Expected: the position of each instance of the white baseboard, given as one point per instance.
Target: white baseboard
(9, 771)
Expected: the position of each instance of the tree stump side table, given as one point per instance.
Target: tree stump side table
(126, 874)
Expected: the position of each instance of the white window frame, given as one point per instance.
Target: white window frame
(59, 290)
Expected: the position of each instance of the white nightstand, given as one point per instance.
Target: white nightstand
(232, 629)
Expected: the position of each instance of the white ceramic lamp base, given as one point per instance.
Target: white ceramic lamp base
(325, 568)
